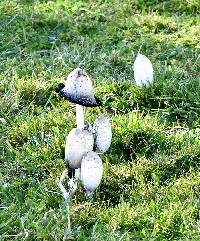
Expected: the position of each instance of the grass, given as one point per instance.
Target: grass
(150, 187)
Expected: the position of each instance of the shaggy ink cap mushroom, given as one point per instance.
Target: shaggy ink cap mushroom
(75, 148)
(78, 89)
(78, 142)
(103, 134)
(91, 172)
(143, 71)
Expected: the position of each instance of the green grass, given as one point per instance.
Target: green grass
(150, 187)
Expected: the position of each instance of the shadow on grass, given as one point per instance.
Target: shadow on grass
(115, 188)
(167, 6)
(170, 105)
(37, 95)
(178, 166)
(146, 142)
(176, 158)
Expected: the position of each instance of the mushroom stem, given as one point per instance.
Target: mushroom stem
(80, 117)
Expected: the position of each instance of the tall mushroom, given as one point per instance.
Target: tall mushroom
(78, 89)
(80, 141)
(143, 71)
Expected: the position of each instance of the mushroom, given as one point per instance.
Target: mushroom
(89, 145)
(78, 89)
(75, 148)
(143, 71)
(78, 142)
(103, 134)
(89, 140)
(91, 172)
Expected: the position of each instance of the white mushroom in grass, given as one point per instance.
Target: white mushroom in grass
(89, 144)
(103, 134)
(78, 142)
(78, 89)
(75, 148)
(79, 148)
(91, 172)
(143, 71)
(89, 140)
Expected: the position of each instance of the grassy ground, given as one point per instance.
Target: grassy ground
(151, 183)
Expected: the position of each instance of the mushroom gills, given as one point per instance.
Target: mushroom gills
(91, 172)
(103, 134)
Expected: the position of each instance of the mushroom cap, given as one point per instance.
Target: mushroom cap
(143, 71)
(91, 171)
(89, 140)
(78, 89)
(75, 148)
(89, 137)
(78, 143)
(103, 134)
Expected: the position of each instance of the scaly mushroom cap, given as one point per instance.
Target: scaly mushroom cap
(75, 148)
(103, 134)
(91, 172)
(78, 89)
(143, 71)
(89, 140)
(78, 143)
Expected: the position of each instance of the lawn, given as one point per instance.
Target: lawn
(151, 182)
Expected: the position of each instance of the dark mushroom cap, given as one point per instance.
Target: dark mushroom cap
(88, 101)
(78, 89)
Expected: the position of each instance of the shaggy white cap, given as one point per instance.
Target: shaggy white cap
(143, 71)
(91, 172)
(78, 143)
(75, 148)
(103, 134)
(78, 89)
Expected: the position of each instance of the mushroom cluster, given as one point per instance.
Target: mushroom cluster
(85, 142)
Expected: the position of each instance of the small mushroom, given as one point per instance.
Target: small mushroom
(91, 172)
(103, 134)
(89, 140)
(143, 71)
(89, 144)
(78, 89)
(78, 143)
(75, 148)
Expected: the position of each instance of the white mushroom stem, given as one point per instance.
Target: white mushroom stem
(80, 116)
(64, 192)
(72, 186)
(66, 195)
